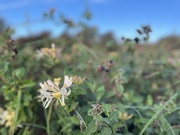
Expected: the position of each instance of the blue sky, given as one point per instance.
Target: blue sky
(119, 16)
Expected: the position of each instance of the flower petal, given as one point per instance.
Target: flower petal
(62, 101)
(47, 102)
(57, 81)
(46, 97)
(69, 92)
(63, 91)
(67, 81)
(51, 84)
(39, 54)
(45, 93)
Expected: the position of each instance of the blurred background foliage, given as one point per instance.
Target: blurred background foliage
(151, 76)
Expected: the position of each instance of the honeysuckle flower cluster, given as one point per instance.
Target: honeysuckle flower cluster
(51, 52)
(50, 90)
(6, 117)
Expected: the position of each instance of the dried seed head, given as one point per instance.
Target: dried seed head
(139, 32)
(146, 29)
(123, 38)
(110, 63)
(100, 68)
(136, 39)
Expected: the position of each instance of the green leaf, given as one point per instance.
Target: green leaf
(114, 116)
(91, 86)
(98, 118)
(27, 84)
(143, 120)
(149, 100)
(3, 131)
(160, 109)
(106, 108)
(76, 132)
(110, 94)
(92, 128)
(4, 67)
(106, 131)
(79, 91)
(81, 66)
(120, 89)
(28, 112)
(73, 106)
(19, 73)
(121, 107)
(100, 92)
(106, 120)
(166, 126)
(27, 99)
(75, 120)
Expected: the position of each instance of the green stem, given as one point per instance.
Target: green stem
(5, 81)
(157, 113)
(125, 127)
(169, 126)
(137, 112)
(48, 120)
(140, 107)
(33, 125)
(16, 113)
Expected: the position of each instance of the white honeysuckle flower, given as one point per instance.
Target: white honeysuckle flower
(67, 82)
(39, 54)
(49, 51)
(50, 90)
(64, 95)
(6, 117)
(53, 52)
(2, 114)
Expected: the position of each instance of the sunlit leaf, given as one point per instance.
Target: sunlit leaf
(92, 128)
(100, 92)
(19, 73)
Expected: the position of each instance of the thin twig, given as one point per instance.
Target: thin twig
(80, 120)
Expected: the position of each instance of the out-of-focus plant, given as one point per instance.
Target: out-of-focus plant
(107, 88)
